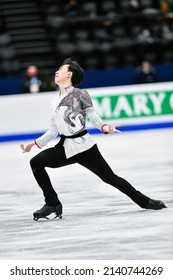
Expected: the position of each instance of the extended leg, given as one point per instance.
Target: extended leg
(93, 160)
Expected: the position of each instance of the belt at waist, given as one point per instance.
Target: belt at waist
(63, 137)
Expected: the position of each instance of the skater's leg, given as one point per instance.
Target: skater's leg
(93, 160)
(54, 158)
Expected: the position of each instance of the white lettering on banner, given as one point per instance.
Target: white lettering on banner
(140, 105)
(103, 109)
(171, 101)
(157, 101)
(122, 105)
(132, 105)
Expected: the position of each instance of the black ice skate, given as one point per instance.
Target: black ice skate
(46, 210)
(155, 204)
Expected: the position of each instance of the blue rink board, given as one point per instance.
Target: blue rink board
(135, 127)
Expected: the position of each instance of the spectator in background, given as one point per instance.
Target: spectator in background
(166, 6)
(134, 6)
(35, 81)
(145, 73)
(166, 32)
(32, 82)
(145, 36)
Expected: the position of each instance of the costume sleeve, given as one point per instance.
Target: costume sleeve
(49, 135)
(90, 110)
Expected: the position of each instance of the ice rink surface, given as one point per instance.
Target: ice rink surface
(99, 222)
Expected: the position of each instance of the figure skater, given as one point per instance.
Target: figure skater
(70, 109)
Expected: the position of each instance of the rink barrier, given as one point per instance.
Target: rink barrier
(137, 127)
(134, 107)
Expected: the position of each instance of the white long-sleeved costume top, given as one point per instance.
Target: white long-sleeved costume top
(69, 113)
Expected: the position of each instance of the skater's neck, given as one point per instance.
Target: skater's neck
(65, 88)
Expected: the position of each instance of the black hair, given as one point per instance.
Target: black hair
(76, 69)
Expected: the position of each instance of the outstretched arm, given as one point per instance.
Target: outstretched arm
(94, 117)
(42, 140)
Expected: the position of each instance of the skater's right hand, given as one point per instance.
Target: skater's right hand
(26, 148)
(110, 128)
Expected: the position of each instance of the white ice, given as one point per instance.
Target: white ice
(98, 221)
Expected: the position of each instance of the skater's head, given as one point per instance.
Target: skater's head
(71, 71)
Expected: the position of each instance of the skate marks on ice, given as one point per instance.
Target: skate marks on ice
(98, 221)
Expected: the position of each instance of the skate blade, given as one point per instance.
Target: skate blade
(41, 217)
(58, 216)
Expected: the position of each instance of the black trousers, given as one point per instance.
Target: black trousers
(92, 159)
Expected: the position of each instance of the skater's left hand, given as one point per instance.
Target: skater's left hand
(110, 128)
(26, 148)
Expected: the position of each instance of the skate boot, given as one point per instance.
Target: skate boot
(46, 210)
(155, 204)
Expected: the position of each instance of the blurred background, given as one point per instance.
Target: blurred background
(110, 39)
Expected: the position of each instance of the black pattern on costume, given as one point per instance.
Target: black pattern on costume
(76, 102)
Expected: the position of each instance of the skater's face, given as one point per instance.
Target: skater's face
(62, 75)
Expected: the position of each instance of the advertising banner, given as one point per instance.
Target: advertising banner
(140, 104)
(134, 107)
